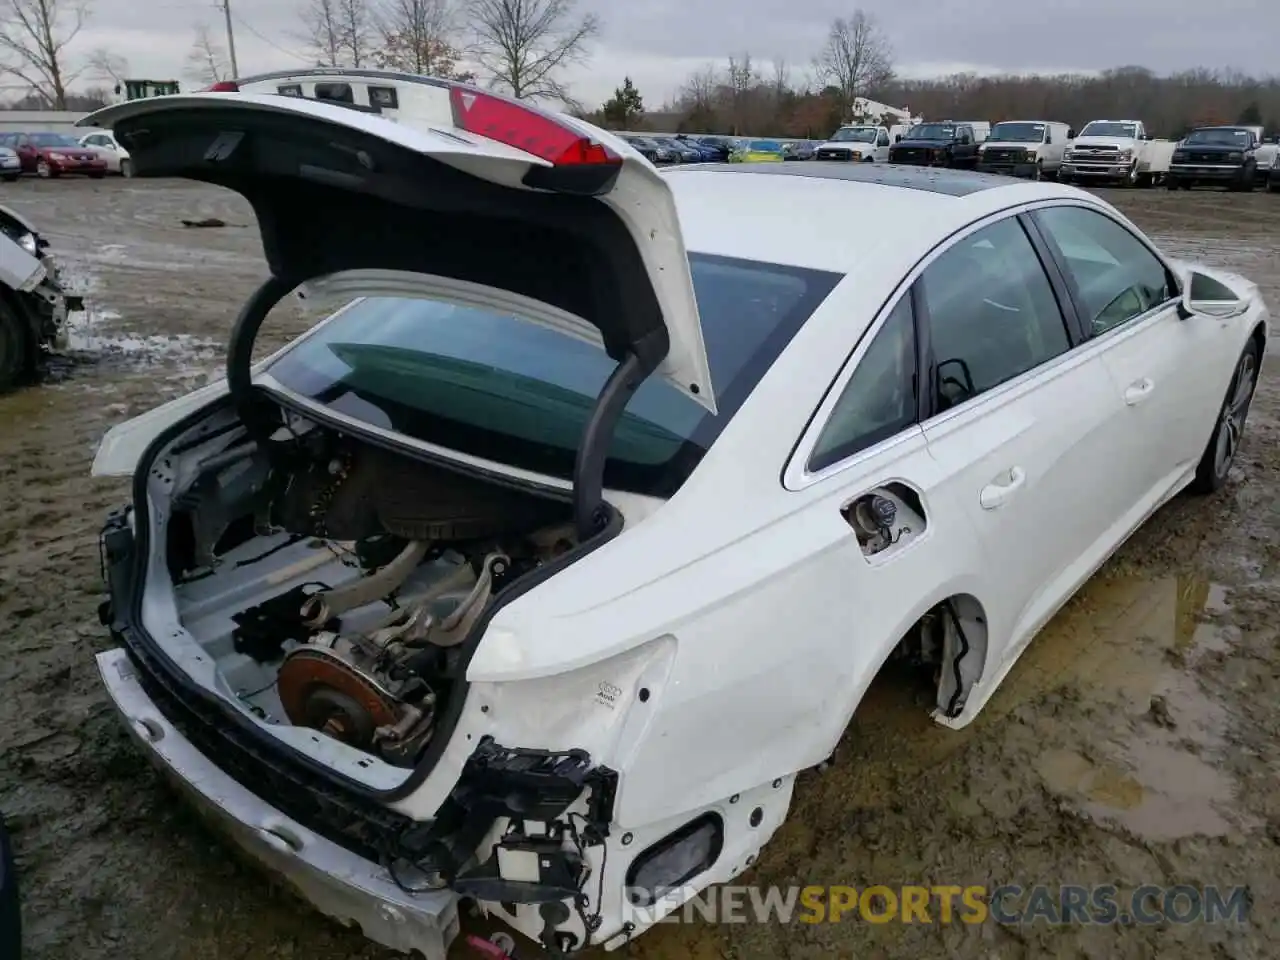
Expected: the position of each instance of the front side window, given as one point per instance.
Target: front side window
(498, 387)
(992, 313)
(880, 398)
(1114, 276)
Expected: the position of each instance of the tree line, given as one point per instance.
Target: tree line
(747, 96)
(525, 46)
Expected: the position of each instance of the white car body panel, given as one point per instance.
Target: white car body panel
(743, 605)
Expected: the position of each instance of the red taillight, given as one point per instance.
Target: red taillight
(526, 128)
(223, 86)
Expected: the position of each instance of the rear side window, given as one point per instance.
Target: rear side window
(498, 387)
(879, 399)
(1114, 276)
(992, 312)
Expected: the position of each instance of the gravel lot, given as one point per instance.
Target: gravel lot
(1136, 742)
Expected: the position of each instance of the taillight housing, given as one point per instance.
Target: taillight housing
(223, 86)
(520, 125)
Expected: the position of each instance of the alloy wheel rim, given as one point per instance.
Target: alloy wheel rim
(1234, 411)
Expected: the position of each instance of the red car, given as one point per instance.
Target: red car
(53, 154)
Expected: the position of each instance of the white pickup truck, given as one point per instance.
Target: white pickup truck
(859, 143)
(1116, 150)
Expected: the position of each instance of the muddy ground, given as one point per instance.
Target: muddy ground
(1134, 743)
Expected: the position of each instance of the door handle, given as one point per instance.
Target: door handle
(1138, 391)
(995, 495)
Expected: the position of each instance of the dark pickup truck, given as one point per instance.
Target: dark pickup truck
(939, 144)
(1223, 156)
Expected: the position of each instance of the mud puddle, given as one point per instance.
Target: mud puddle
(1102, 735)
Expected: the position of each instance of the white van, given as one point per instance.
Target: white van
(1025, 148)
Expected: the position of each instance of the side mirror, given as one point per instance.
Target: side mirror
(1071, 133)
(1204, 296)
(1048, 138)
(1146, 136)
(897, 138)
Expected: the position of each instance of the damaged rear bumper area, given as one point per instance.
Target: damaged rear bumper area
(334, 880)
(52, 306)
(348, 855)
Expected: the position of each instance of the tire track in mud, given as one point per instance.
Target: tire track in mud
(1071, 775)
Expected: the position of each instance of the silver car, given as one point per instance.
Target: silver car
(10, 165)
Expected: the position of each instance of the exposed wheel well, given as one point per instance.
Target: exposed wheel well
(950, 640)
(1259, 336)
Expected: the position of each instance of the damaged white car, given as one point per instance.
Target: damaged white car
(536, 572)
(33, 301)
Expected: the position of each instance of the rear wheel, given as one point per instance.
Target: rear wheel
(1223, 444)
(13, 348)
(97, 175)
(11, 177)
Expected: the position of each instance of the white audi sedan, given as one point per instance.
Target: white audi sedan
(536, 572)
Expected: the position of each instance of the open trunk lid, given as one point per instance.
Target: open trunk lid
(476, 187)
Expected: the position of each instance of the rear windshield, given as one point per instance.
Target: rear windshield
(492, 386)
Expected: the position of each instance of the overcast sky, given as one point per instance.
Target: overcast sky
(659, 42)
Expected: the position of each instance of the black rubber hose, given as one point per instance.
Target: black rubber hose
(240, 354)
(952, 712)
(593, 451)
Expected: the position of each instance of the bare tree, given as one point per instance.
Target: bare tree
(356, 21)
(110, 67)
(322, 31)
(856, 58)
(524, 45)
(418, 37)
(781, 78)
(699, 90)
(33, 40)
(207, 61)
(743, 80)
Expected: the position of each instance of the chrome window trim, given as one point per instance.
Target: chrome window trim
(796, 475)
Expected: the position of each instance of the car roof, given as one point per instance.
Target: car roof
(832, 216)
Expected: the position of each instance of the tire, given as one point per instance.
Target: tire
(1228, 428)
(12, 177)
(1172, 184)
(97, 176)
(10, 916)
(1039, 172)
(13, 349)
(1273, 185)
(1066, 178)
